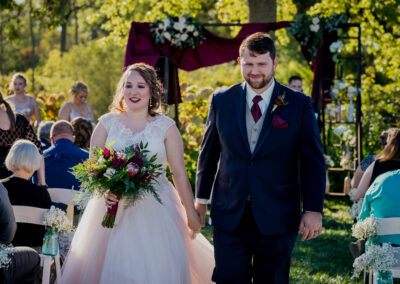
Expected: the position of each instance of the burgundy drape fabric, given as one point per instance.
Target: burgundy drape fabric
(214, 50)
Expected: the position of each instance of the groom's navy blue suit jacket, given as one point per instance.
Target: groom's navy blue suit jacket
(285, 170)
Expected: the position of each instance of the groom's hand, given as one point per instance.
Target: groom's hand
(310, 225)
(201, 210)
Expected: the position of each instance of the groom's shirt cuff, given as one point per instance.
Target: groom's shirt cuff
(202, 201)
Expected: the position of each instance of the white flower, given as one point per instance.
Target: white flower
(184, 37)
(342, 84)
(182, 20)
(100, 161)
(379, 258)
(110, 172)
(365, 228)
(334, 92)
(167, 35)
(56, 218)
(328, 161)
(315, 20)
(314, 28)
(351, 91)
(161, 26)
(355, 209)
(340, 130)
(351, 193)
(196, 33)
(190, 28)
(336, 46)
(178, 26)
(166, 22)
(5, 259)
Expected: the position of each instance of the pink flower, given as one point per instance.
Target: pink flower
(133, 169)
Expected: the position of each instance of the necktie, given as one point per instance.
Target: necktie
(255, 109)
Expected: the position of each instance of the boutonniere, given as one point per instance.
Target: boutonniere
(279, 101)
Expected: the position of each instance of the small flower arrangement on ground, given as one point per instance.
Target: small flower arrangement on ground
(178, 32)
(128, 174)
(57, 219)
(5, 251)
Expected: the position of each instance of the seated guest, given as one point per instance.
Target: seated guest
(383, 201)
(368, 160)
(82, 131)
(62, 156)
(388, 160)
(44, 134)
(23, 160)
(25, 261)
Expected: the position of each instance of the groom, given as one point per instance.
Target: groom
(261, 158)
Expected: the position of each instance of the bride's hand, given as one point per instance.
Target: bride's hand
(110, 199)
(194, 221)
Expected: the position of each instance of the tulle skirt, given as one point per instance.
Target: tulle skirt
(149, 244)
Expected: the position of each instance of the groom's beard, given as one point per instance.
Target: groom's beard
(260, 84)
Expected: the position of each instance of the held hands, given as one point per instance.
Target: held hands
(310, 225)
(110, 199)
(201, 210)
(193, 222)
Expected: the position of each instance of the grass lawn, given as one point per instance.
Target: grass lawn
(326, 259)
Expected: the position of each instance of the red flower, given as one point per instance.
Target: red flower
(278, 101)
(137, 161)
(106, 154)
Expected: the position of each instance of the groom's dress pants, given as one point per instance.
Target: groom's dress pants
(246, 256)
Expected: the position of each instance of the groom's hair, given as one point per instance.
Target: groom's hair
(257, 44)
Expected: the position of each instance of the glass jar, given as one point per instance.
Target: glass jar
(50, 242)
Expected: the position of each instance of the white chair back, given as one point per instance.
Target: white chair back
(62, 195)
(29, 215)
(389, 226)
(35, 215)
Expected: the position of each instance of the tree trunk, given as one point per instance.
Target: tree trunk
(262, 11)
(303, 5)
(33, 45)
(63, 46)
(76, 23)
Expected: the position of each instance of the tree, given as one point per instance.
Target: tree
(261, 11)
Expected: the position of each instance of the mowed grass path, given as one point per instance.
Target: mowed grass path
(326, 259)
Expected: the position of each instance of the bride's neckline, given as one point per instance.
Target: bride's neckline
(140, 131)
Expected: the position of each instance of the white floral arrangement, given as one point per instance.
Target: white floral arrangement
(379, 258)
(346, 161)
(314, 27)
(331, 111)
(82, 199)
(365, 229)
(336, 47)
(349, 137)
(339, 130)
(355, 209)
(351, 92)
(178, 32)
(352, 193)
(5, 259)
(56, 218)
(339, 86)
(328, 161)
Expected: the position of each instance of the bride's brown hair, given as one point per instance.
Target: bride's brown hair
(150, 76)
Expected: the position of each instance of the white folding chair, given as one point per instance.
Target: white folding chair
(388, 226)
(35, 215)
(64, 195)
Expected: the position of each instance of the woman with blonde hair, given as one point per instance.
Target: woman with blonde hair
(78, 105)
(387, 160)
(21, 102)
(150, 242)
(23, 160)
(13, 127)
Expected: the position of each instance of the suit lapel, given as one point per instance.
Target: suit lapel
(240, 102)
(268, 120)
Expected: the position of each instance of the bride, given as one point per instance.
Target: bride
(150, 242)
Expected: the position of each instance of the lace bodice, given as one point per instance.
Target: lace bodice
(153, 133)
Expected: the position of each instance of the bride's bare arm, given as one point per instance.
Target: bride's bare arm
(99, 136)
(174, 149)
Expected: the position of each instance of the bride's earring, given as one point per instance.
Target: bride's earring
(150, 102)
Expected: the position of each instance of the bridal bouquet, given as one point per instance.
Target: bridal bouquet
(129, 174)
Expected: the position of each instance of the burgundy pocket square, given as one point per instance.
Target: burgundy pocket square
(278, 122)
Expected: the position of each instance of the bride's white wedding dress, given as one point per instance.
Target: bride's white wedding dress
(150, 242)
